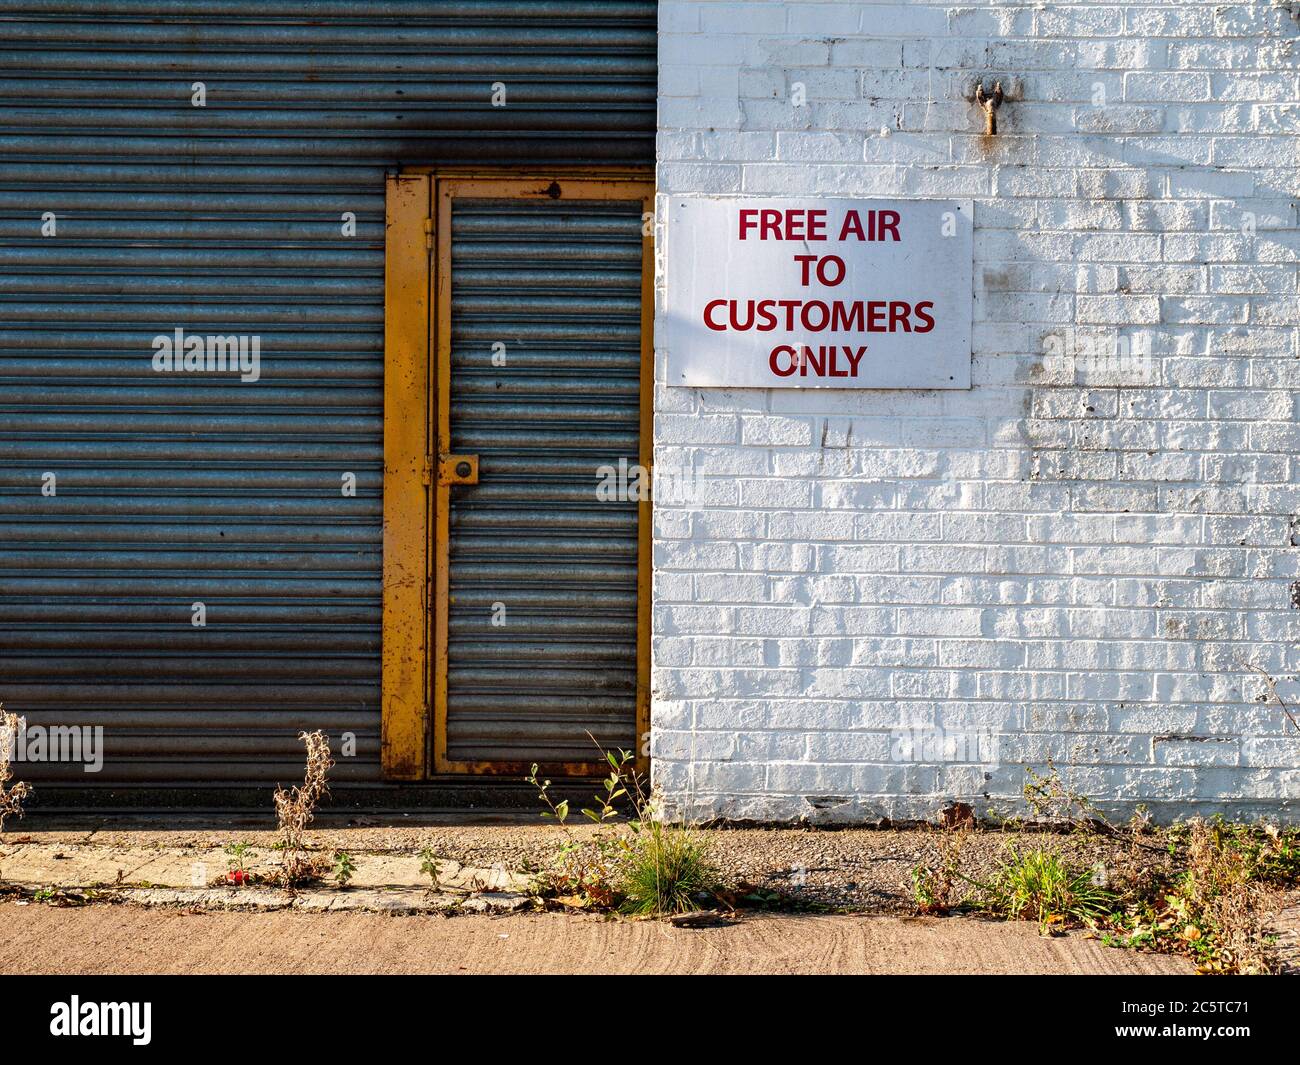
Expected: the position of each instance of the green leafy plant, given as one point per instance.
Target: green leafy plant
(236, 864)
(429, 866)
(344, 868)
(622, 767)
(583, 873)
(555, 811)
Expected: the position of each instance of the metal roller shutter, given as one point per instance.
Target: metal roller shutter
(560, 286)
(176, 488)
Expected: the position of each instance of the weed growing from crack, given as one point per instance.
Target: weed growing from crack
(237, 863)
(344, 868)
(429, 867)
(665, 870)
(586, 871)
(651, 868)
(11, 796)
(294, 810)
(1216, 904)
(935, 888)
(1039, 885)
(1054, 803)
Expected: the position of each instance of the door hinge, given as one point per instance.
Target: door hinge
(426, 472)
(428, 234)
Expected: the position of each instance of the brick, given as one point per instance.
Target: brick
(1069, 557)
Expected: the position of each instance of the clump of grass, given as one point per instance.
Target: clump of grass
(11, 795)
(295, 809)
(666, 870)
(1039, 885)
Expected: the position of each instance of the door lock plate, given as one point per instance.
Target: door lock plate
(457, 469)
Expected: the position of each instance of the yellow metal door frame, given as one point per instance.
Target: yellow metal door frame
(405, 695)
(419, 468)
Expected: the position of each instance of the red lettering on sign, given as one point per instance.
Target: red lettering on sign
(708, 311)
(790, 224)
(824, 361)
(783, 349)
(879, 223)
(816, 316)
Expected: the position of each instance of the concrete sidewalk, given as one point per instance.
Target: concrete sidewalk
(131, 939)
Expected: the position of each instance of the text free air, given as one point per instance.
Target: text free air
(818, 315)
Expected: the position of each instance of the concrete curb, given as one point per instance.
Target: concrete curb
(186, 877)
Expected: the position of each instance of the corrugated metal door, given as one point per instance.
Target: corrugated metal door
(542, 341)
(132, 205)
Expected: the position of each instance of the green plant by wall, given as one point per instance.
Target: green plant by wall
(643, 866)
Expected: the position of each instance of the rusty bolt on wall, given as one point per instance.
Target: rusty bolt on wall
(990, 102)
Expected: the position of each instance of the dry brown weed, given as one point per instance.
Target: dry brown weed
(11, 796)
(294, 810)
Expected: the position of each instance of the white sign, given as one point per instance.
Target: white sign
(818, 293)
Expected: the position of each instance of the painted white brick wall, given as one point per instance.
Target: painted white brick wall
(880, 601)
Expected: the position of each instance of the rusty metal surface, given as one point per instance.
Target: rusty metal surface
(404, 693)
(176, 488)
(543, 575)
(393, 82)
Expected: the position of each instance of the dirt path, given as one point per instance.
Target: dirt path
(128, 939)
